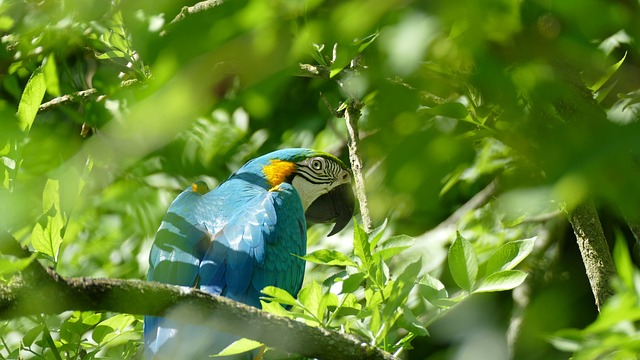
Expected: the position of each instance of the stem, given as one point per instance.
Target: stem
(352, 115)
(46, 334)
(594, 250)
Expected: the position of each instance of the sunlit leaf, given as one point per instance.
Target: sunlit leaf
(6, 23)
(108, 329)
(463, 263)
(622, 259)
(361, 246)
(310, 296)
(502, 280)
(46, 236)
(393, 246)
(434, 291)
(567, 340)
(612, 70)
(239, 347)
(278, 295)
(353, 282)
(329, 257)
(509, 255)
(454, 110)
(276, 309)
(50, 71)
(31, 99)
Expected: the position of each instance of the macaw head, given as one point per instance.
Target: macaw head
(321, 179)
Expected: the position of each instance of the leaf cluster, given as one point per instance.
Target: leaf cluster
(363, 298)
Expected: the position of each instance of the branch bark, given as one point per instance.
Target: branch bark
(196, 8)
(352, 115)
(42, 291)
(594, 250)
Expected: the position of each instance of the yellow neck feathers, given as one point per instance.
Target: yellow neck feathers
(278, 171)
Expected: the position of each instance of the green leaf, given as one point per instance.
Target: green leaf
(31, 99)
(316, 53)
(352, 283)
(509, 255)
(502, 280)
(310, 297)
(410, 322)
(239, 347)
(278, 295)
(393, 246)
(348, 306)
(32, 334)
(329, 300)
(11, 264)
(463, 263)
(567, 340)
(400, 289)
(361, 246)
(348, 53)
(46, 236)
(47, 239)
(6, 23)
(329, 257)
(108, 329)
(50, 72)
(608, 74)
(275, 308)
(622, 259)
(376, 234)
(454, 110)
(434, 291)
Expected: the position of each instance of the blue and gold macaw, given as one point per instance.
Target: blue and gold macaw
(242, 236)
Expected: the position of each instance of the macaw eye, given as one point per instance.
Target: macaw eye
(316, 164)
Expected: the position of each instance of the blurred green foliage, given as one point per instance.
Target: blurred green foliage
(108, 108)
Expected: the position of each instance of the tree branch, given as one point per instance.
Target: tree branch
(42, 291)
(200, 6)
(594, 250)
(313, 71)
(352, 115)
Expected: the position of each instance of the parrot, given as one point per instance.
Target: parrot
(248, 233)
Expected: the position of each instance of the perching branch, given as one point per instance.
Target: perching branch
(43, 291)
(594, 250)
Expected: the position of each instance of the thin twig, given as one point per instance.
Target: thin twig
(313, 71)
(83, 94)
(352, 115)
(79, 95)
(196, 8)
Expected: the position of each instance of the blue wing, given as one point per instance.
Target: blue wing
(237, 239)
(255, 248)
(180, 244)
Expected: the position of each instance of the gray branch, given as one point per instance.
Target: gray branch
(594, 250)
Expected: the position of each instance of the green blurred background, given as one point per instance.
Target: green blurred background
(540, 96)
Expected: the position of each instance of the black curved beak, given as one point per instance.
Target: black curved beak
(335, 206)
